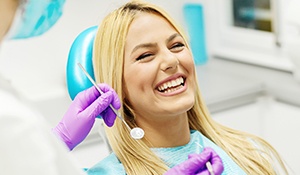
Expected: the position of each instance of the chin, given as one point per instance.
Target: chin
(183, 105)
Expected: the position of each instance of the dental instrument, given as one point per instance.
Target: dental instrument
(208, 164)
(136, 133)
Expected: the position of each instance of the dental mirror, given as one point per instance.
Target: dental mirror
(136, 133)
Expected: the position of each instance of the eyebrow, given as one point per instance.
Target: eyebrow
(172, 37)
(145, 45)
(149, 45)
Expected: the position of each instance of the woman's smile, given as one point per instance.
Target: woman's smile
(172, 85)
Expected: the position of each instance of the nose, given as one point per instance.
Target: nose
(169, 61)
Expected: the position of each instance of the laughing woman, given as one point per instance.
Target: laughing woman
(142, 54)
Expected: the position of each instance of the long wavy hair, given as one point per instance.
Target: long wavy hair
(251, 153)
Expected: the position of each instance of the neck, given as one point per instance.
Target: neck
(169, 133)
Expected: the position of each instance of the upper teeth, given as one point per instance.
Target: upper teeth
(172, 83)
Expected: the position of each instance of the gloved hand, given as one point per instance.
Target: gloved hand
(80, 117)
(196, 164)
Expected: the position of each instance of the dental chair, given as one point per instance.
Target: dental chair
(81, 52)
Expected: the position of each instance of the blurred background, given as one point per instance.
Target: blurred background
(247, 55)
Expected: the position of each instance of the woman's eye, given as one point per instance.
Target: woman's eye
(177, 46)
(143, 56)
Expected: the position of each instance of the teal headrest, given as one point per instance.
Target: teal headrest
(81, 52)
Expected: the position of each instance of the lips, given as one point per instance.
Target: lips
(171, 85)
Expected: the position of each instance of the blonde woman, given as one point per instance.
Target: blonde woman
(145, 57)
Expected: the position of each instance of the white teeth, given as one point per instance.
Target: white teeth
(170, 84)
(164, 87)
(174, 83)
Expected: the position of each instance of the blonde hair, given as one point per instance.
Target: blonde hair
(252, 154)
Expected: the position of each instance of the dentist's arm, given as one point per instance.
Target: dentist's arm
(80, 117)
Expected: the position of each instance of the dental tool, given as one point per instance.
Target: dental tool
(136, 133)
(208, 164)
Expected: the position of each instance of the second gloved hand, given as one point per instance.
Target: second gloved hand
(196, 164)
(80, 117)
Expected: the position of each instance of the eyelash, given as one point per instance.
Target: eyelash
(177, 45)
(143, 56)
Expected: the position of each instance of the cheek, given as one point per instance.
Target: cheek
(130, 82)
(140, 75)
(129, 90)
(136, 90)
(187, 61)
(135, 81)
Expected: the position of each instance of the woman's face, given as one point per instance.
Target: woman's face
(158, 70)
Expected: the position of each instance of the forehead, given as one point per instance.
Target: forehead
(147, 25)
(147, 17)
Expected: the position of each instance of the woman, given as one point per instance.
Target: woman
(142, 54)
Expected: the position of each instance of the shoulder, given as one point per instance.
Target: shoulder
(108, 166)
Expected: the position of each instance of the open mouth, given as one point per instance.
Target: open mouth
(172, 85)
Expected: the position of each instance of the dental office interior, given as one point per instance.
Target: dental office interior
(247, 55)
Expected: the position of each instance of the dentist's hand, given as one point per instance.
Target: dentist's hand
(196, 164)
(81, 115)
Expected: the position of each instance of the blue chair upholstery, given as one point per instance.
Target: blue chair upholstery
(81, 52)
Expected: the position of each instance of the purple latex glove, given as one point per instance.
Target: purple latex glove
(80, 117)
(195, 165)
